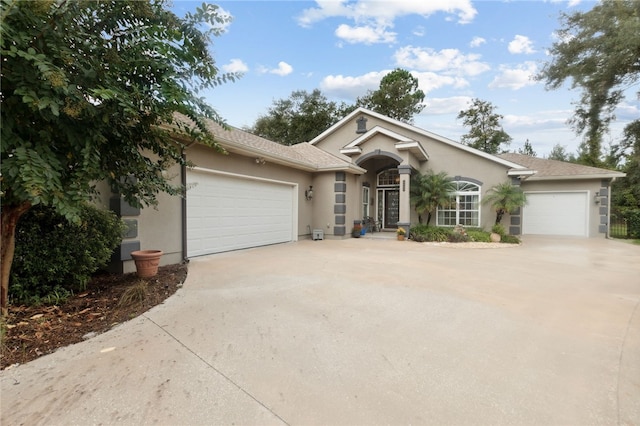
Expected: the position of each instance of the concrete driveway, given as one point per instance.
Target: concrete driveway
(363, 331)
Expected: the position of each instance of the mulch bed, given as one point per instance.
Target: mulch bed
(32, 331)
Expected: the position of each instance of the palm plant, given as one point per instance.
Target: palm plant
(429, 191)
(505, 197)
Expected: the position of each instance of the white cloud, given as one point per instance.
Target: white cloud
(374, 19)
(448, 61)
(364, 34)
(282, 70)
(385, 11)
(351, 87)
(521, 44)
(452, 105)
(515, 78)
(236, 65)
(477, 41)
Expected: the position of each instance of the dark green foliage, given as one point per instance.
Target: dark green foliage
(55, 257)
(485, 131)
(421, 233)
(299, 118)
(430, 191)
(397, 97)
(456, 237)
(633, 223)
(510, 239)
(597, 53)
(499, 229)
(479, 236)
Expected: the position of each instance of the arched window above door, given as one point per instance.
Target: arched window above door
(389, 177)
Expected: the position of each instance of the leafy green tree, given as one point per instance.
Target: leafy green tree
(626, 191)
(505, 198)
(397, 97)
(597, 51)
(559, 153)
(86, 87)
(527, 149)
(430, 191)
(299, 118)
(485, 131)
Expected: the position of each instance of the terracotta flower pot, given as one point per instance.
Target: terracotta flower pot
(400, 237)
(147, 262)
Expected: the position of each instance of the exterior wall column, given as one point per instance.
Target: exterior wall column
(405, 200)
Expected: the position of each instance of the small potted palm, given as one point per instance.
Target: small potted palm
(401, 232)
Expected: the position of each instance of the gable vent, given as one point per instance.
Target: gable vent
(362, 125)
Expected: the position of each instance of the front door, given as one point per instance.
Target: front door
(389, 198)
(389, 207)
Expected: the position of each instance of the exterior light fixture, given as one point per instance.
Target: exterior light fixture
(260, 160)
(308, 194)
(596, 198)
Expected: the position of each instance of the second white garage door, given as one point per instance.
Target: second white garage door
(556, 213)
(230, 212)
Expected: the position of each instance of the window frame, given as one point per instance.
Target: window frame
(470, 217)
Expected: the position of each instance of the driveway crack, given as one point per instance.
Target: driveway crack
(227, 378)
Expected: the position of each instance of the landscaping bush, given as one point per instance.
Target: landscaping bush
(633, 223)
(422, 233)
(479, 235)
(499, 229)
(510, 239)
(55, 258)
(456, 237)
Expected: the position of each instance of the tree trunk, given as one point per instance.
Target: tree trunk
(10, 216)
(499, 214)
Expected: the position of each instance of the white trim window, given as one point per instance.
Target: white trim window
(365, 201)
(464, 208)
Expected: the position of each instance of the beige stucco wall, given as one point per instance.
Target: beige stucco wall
(442, 158)
(592, 186)
(205, 157)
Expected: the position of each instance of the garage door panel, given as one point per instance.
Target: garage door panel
(230, 213)
(556, 213)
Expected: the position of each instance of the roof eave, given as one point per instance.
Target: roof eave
(579, 177)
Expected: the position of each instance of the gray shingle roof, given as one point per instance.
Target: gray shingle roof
(553, 169)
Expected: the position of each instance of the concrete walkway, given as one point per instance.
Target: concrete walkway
(363, 331)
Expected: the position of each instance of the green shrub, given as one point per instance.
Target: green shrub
(510, 239)
(456, 237)
(422, 233)
(633, 223)
(479, 235)
(55, 258)
(499, 229)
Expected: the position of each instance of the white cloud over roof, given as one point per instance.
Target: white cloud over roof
(364, 34)
(282, 70)
(521, 44)
(449, 61)
(515, 78)
(235, 65)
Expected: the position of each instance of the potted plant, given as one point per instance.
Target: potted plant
(401, 232)
(147, 262)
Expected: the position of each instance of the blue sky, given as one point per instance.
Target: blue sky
(458, 50)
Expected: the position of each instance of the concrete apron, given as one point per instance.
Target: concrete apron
(363, 331)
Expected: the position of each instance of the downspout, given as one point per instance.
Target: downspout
(183, 182)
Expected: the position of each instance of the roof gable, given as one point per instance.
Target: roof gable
(441, 139)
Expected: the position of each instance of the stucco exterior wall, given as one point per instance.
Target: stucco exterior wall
(595, 216)
(205, 157)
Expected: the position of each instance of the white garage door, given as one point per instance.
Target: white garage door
(230, 212)
(556, 213)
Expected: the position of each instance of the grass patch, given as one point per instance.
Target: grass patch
(135, 294)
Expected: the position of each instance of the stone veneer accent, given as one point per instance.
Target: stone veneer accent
(515, 225)
(340, 206)
(129, 242)
(603, 227)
